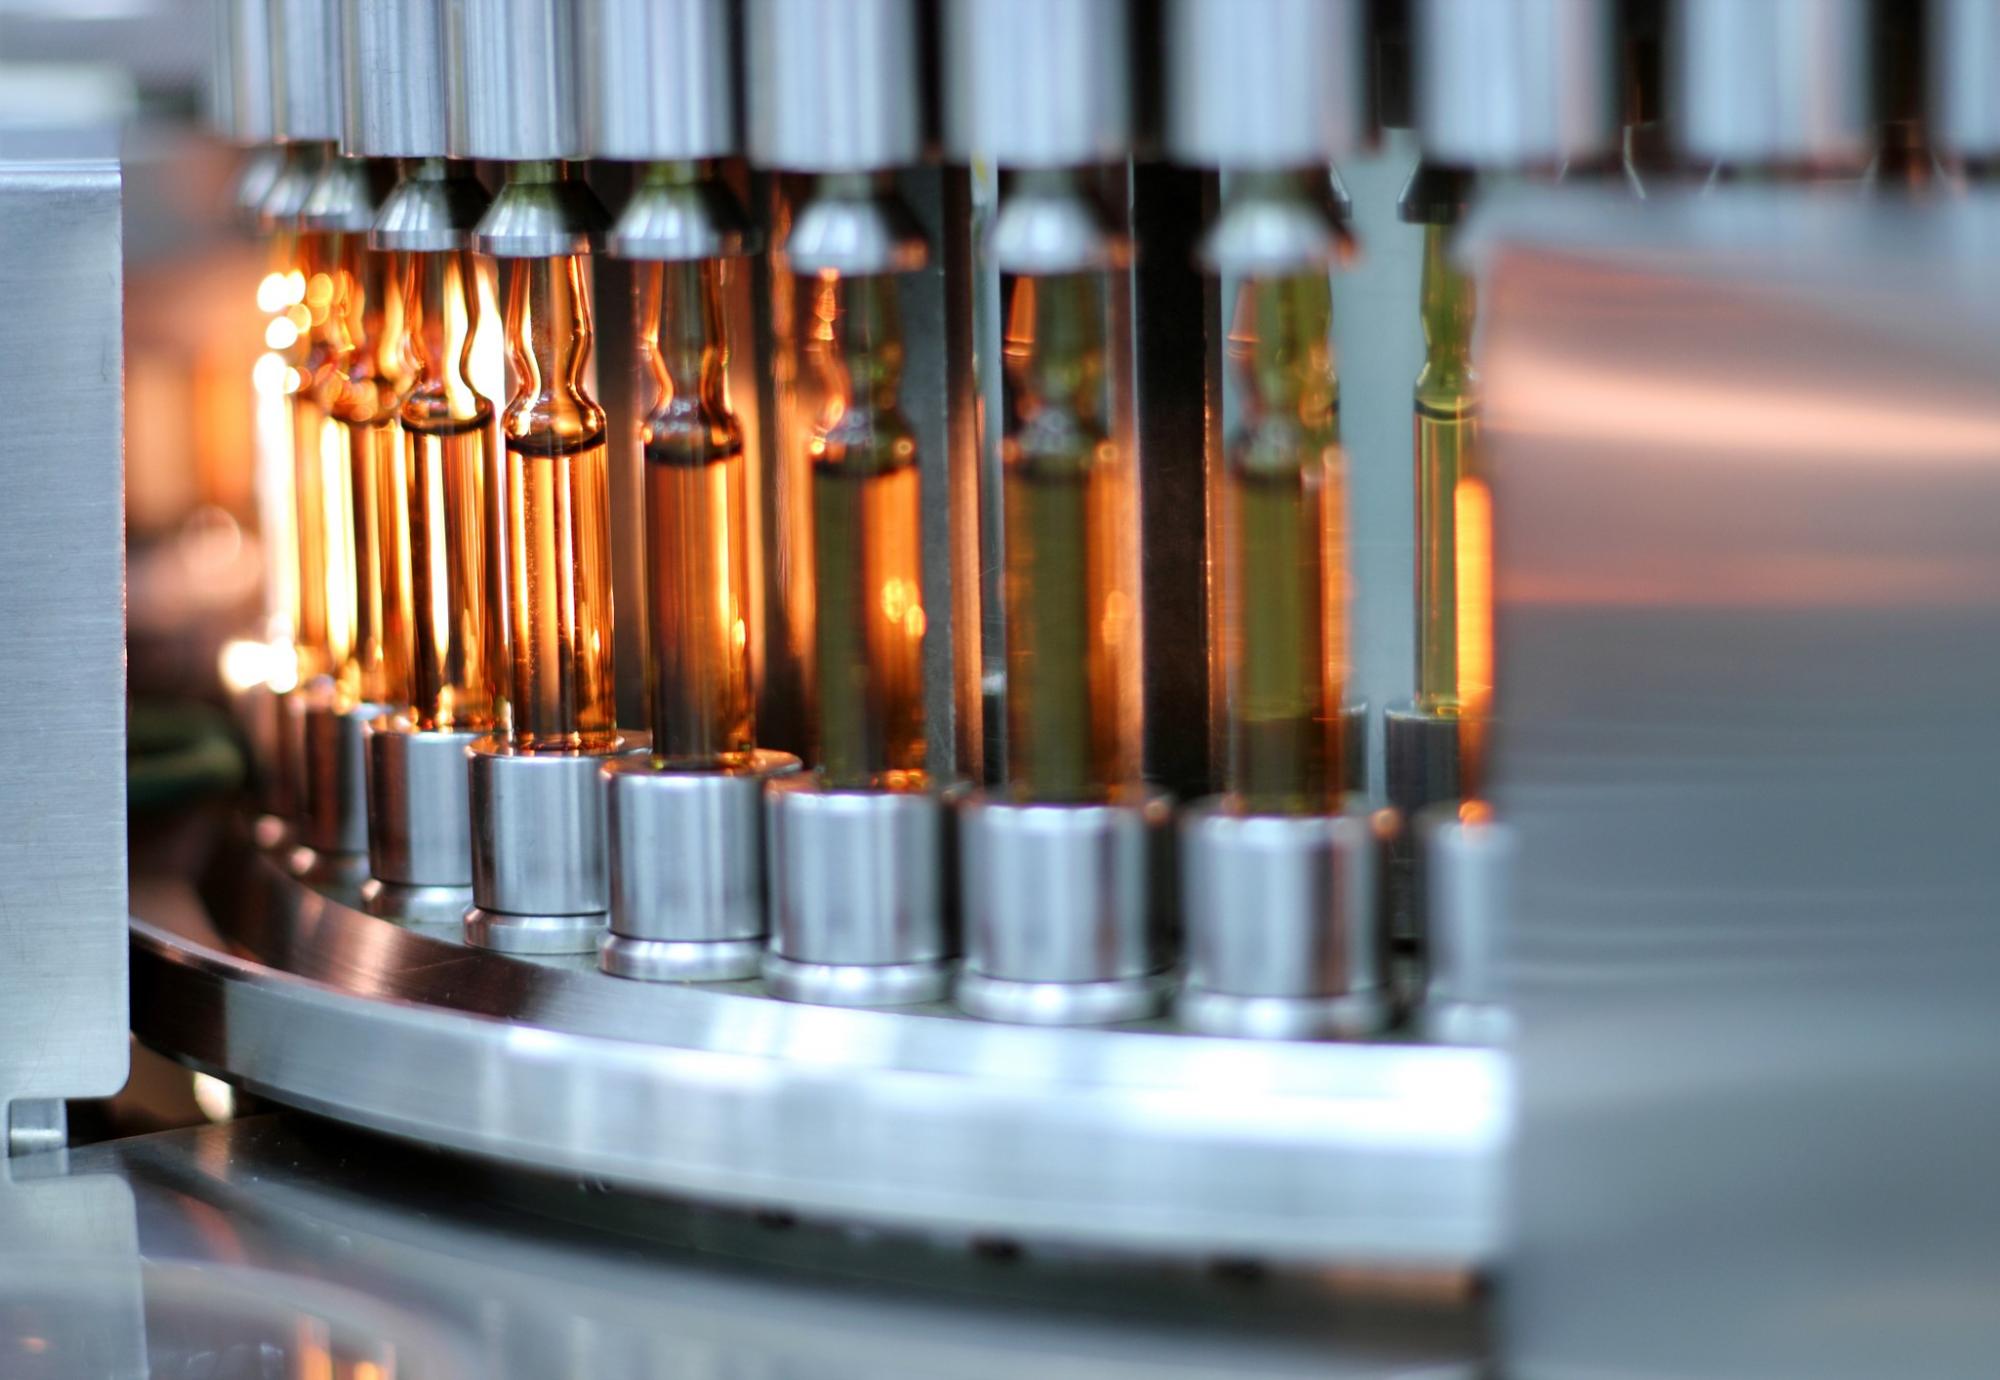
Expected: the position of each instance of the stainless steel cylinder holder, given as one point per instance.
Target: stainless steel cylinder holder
(1065, 909)
(419, 823)
(1468, 867)
(540, 883)
(859, 894)
(1421, 756)
(1283, 922)
(333, 813)
(687, 869)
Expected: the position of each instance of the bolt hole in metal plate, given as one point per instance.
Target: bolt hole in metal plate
(1133, 1139)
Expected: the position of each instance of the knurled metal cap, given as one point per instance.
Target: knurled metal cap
(1515, 83)
(513, 71)
(1037, 83)
(240, 105)
(1778, 81)
(833, 85)
(659, 83)
(394, 97)
(1264, 83)
(1964, 62)
(305, 64)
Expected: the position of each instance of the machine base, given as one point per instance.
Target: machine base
(856, 984)
(1112, 1001)
(533, 934)
(1351, 1017)
(680, 960)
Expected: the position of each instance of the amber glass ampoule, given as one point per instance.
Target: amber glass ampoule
(323, 631)
(363, 394)
(444, 538)
(698, 684)
(1063, 553)
(868, 576)
(1284, 586)
(562, 694)
(1454, 524)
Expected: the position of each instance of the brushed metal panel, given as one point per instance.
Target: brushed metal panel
(62, 633)
(1746, 456)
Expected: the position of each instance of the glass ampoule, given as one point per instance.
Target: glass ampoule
(1284, 585)
(281, 301)
(867, 566)
(1454, 519)
(322, 629)
(698, 684)
(1068, 608)
(363, 395)
(445, 531)
(562, 687)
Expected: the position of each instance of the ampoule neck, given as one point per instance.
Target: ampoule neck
(1284, 350)
(675, 172)
(538, 172)
(1449, 305)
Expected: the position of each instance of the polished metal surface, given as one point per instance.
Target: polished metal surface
(394, 97)
(1468, 887)
(678, 222)
(1265, 231)
(35, 1125)
(285, 200)
(1282, 915)
(1747, 524)
(1964, 54)
(1517, 83)
(334, 817)
(539, 880)
(265, 1247)
(854, 230)
(538, 220)
(240, 87)
(62, 678)
(514, 79)
(430, 210)
(687, 868)
(1065, 909)
(1421, 754)
(1265, 83)
(858, 894)
(1043, 229)
(833, 84)
(344, 197)
(419, 822)
(1778, 83)
(305, 75)
(1036, 83)
(255, 176)
(659, 79)
(1139, 1140)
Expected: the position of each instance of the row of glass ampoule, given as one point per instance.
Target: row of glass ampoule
(450, 609)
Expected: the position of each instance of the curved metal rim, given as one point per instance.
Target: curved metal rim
(1124, 1140)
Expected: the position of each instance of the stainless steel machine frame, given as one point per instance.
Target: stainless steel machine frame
(62, 679)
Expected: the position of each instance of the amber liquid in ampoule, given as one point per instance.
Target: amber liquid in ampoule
(1284, 589)
(446, 519)
(698, 568)
(363, 395)
(1454, 556)
(310, 358)
(563, 692)
(1060, 486)
(869, 637)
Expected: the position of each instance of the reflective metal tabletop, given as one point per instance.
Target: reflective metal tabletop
(282, 1246)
